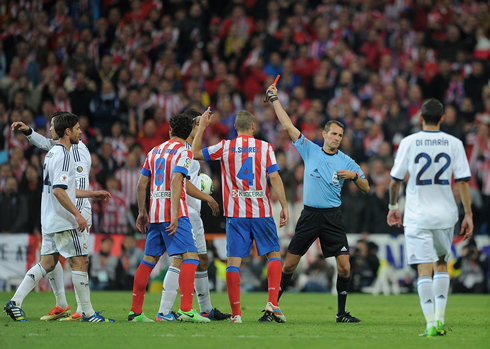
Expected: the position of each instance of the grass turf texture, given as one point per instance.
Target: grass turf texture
(388, 322)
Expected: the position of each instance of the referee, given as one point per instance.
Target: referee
(326, 170)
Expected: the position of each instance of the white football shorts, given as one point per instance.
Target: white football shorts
(198, 229)
(426, 245)
(69, 243)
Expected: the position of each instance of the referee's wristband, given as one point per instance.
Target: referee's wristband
(393, 207)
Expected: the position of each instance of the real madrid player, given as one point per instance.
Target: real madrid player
(64, 228)
(431, 157)
(171, 281)
(82, 159)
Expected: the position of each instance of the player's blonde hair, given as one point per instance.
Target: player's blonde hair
(244, 120)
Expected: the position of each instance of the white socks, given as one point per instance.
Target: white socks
(441, 290)
(426, 296)
(31, 279)
(171, 285)
(80, 283)
(202, 289)
(58, 285)
(169, 293)
(79, 307)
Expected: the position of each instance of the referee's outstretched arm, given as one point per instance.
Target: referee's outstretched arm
(283, 117)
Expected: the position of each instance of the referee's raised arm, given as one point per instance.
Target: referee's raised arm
(283, 117)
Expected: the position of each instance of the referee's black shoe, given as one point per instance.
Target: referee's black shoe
(267, 317)
(347, 317)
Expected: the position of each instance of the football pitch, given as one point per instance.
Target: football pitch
(387, 322)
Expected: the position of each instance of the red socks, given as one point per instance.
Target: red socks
(186, 283)
(233, 286)
(139, 286)
(274, 270)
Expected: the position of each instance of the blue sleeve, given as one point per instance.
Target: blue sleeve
(205, 153)
(354, 167)
(273, 168)
(145, 172)
(303, 145)
(180, 169)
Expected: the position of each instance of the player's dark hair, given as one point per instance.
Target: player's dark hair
(181, 125)
(333, 122)
(432, 111)
(193, 114)
(62, 121)
(244, 120)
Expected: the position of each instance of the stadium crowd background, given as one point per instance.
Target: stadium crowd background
(126, 66)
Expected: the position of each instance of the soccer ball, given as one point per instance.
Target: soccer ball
(206, 183)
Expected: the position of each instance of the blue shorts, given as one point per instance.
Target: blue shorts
(240, 232)
(158, 241)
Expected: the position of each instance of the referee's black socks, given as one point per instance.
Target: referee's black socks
(342, 286)
(285, 280)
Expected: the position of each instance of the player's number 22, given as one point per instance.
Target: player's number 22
(437, 177)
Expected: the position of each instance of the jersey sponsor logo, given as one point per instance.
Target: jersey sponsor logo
(164, 194)
(335, 178)
(251, 194)
(64, 178)
(79, 169)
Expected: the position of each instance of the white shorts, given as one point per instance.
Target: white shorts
(69, 243)
(427, 245)
(198, 229)
(87, 214)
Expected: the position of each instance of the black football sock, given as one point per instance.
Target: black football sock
(342, 285)
(285, 280)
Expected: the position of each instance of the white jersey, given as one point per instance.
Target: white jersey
(194, 204)
(83, 162)
(431, 158)
(58, 172)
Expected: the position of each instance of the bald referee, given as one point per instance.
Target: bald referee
(326, 170)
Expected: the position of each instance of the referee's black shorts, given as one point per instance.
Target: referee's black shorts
(325, 224)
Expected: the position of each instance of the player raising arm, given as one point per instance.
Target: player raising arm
(83, 161)
(63, 225)
(245, 164)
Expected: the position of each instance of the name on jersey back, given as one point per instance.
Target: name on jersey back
(432, 142)
(165, 151)
(240, 150)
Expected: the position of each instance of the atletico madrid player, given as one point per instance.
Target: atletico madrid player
(245, 164)
(168, 225)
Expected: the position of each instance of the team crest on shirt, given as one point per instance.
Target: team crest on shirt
(64, 178)
(79, 169)
(335, 178)
(187, 163)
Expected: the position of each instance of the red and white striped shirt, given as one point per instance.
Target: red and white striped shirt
(128, 180)
(114, 215)
(245, 163)
(161, 162)
(170, 102)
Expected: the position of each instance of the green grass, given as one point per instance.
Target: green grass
(388, 322)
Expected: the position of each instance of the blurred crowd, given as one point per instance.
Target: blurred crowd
(125, 66)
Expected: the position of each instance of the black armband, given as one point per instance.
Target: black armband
(28, 132)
